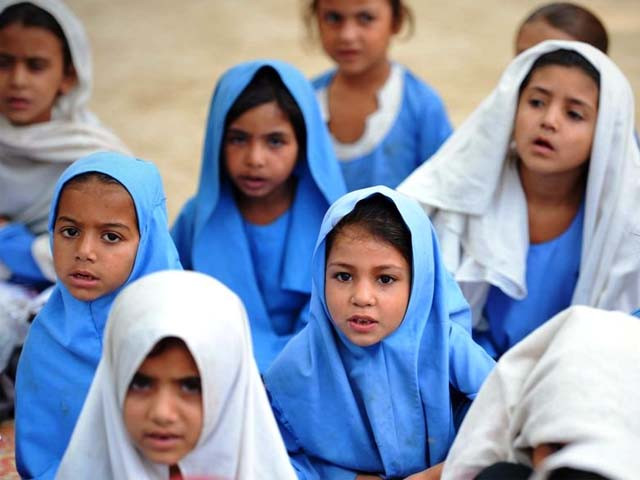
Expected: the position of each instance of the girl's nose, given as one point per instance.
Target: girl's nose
(162, 410)
(19, 75)
(86, 249)
(255, 156)
(550, 118)
(363, 294)
(348, 30)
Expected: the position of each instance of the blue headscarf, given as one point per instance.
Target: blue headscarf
(209, 232)
(64, 344)
(387, 408)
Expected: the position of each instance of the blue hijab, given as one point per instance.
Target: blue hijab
(209, 232)
(64, 344)
(384, 409)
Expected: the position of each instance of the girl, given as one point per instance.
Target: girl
(176, 390)
(109, 226)
(534, 198)
(384, 121)
(377, 381)
(268, 176)
(561, 21)
(45, 83)
(565, 397)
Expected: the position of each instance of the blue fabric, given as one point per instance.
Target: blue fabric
(210, 233)
(15, 254)
(552, 273)
(384, 409)
(636, 313)
(267, 245)
(64, 344)
(421, 127)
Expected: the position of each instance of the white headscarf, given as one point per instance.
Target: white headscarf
(573, 381)
(474, 197)
(33, 157)
(239, 439)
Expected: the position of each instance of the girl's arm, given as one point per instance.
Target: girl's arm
(432, 473)
(469, 364)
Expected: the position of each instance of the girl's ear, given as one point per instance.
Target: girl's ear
(69, 81)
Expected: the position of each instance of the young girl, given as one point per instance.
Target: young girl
(109, 226)
(177, 390)
(268, 176)
(561, 21)
(377, 381)
(384, 121)
(45, 82)
(565, 397)
(534, 198)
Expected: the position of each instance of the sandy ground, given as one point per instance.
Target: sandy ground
(156, 61)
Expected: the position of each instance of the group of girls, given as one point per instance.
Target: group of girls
(373, 329)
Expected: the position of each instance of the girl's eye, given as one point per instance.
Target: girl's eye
(365, 18)
(275, 140)
(332, 18)
(236, 138)
(535, 102)
(111, 237)
(574, 115)
(37, 64)
(69, 232)
(6, 61)
(386, 279)
(342, 276)
(191, 385)
(140, 383)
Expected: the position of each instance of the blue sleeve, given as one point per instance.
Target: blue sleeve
(182, 234)
(305, 466)
(469, 364)
(15, 254)
(437, 126)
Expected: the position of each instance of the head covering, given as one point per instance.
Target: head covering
(64, 343)
(475, 199)
(211, 221)
(37, 154)
(573, 381)
(239, 439)
(384, 408)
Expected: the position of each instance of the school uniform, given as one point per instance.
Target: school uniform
(267, 266)
(574, 382)
(408, 127)
(387, 409)
(472, 191)
(31, 160)
(239, 439)
(64, 343)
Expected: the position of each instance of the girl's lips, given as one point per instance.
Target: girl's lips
(361, 324)
(82, 280)
(18, 103)
(161, 441)
(251, 183)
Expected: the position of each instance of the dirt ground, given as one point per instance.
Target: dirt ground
(156, 61)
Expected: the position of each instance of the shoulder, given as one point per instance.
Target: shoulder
(323, 80)
(418, 92)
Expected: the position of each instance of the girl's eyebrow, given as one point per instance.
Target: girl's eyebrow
(572, 100)
(64, 218)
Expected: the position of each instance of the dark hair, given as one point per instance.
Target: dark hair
(565, 58)
(30, 15)
(574, 20)
(165, 344)
(379, 216)
(400, 12)
(267, 86)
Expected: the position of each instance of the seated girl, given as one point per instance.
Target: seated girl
(108, 225)
(564, 399)
(177, 393)
(534, 199)
(45, 83)
(268, 176)
(379, 379)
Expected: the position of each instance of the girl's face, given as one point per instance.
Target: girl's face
(95, 238)
(367, 286)
(260, 151)
(556, 120)
(32, 74)
(356, 33)
(537, 31)
(163, 406)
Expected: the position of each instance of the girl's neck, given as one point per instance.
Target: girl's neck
(264, 210)
(370, 80)
(174, 473)
(552, 201)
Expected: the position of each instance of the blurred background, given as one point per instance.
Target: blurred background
(156, 61)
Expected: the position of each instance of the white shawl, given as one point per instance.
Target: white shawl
(239, 439)
(573, 381)
(474, 197)
(33, 157)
